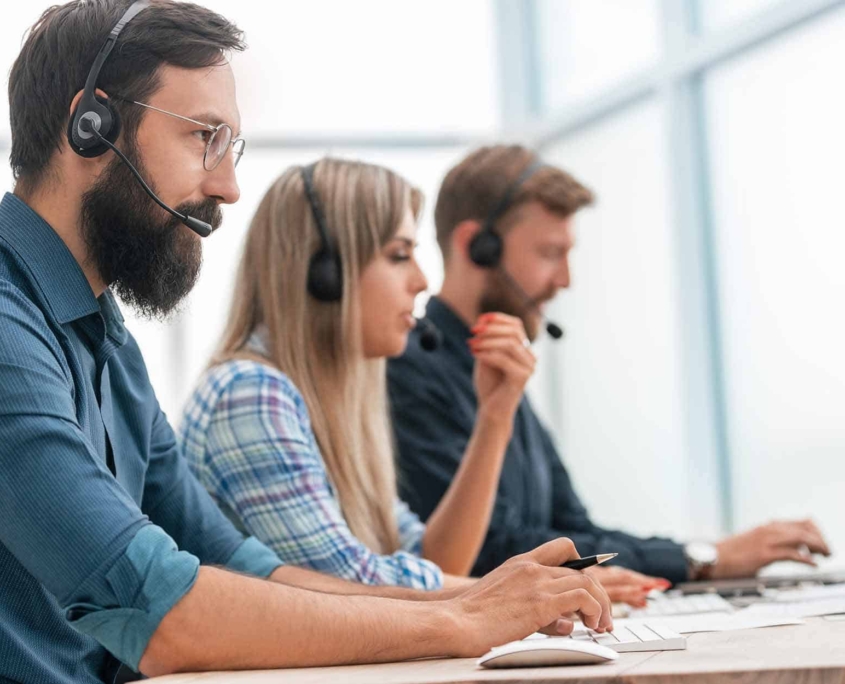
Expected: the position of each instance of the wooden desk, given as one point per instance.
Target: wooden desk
(797, 654)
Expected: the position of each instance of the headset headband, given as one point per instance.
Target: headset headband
(316, 207)
(510, 193)
(94, 73)
(102, 117)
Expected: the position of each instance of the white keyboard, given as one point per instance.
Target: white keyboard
(629, 637)
(663, 605)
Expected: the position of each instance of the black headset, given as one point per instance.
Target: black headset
(486, 247)
(95, 124)
(325, 273)
(100, 117)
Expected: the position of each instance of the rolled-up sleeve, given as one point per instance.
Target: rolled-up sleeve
(254, 558)
(64, 516)
(175, 500)
(140, 588)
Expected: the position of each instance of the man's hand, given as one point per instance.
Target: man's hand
(744, 554)
(504, 364)
(528, 593)
(626, 586)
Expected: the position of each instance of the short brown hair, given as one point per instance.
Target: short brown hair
(60, 48)
(473, 189)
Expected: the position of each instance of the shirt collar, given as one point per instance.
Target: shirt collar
(52, 267)
(446, 320)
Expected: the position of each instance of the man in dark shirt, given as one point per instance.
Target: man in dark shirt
(530, 206)
(110, 550)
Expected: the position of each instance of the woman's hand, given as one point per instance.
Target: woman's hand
(504, 363)
(626, 586)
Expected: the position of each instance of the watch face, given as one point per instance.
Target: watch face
(701, 553)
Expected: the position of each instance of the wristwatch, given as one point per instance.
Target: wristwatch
(701, 557)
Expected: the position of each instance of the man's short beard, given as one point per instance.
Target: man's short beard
(147, 257)
(500, 296)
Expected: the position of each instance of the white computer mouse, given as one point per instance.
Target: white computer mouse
(551, 651)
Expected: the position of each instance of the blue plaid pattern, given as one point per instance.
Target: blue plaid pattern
(247, 436)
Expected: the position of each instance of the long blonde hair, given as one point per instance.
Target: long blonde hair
(319, 344)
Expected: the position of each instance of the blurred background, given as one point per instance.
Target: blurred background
(700, 387)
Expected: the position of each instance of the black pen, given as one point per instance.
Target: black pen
(589, 561)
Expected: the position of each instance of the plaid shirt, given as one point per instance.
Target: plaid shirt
(247, 436)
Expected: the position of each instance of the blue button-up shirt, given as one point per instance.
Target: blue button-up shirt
(102, 526)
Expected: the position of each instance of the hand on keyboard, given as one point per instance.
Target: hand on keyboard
(626, 586)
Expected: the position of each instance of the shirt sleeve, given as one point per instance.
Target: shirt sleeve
(65, 518)
(262, 461)
(177, 502)
(411, 528)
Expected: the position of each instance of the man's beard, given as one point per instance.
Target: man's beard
(501, 296)
(150, 260)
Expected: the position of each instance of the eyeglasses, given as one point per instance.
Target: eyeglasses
(218, 143)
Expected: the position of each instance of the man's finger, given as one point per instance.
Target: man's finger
(560, 627)
(780, 553)
(596, 591)
(502, 362)
(514, 349)
(585, 604)
(554, 553)
(797, 534)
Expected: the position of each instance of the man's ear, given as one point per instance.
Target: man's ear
(98, 161)
(74, 103)
(462, 236)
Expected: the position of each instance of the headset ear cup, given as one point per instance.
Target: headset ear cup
(485, 249)
(109, 128)
(325, 277)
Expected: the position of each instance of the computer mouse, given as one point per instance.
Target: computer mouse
(543, 652)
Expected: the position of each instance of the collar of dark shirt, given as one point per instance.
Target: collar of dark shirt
(53, 268)
(449, 323)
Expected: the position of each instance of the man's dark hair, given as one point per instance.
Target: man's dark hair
(60, 48)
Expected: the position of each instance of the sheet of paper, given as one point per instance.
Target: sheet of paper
(798, 609)
(829, 591)
(717, 622)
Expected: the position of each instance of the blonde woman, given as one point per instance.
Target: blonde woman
(289, 428)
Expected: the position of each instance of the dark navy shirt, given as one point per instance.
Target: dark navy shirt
(434, 407)
(102, 527)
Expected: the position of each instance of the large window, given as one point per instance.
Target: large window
(775, 123)
(587, 47)
(620, 405)
(705, 343)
